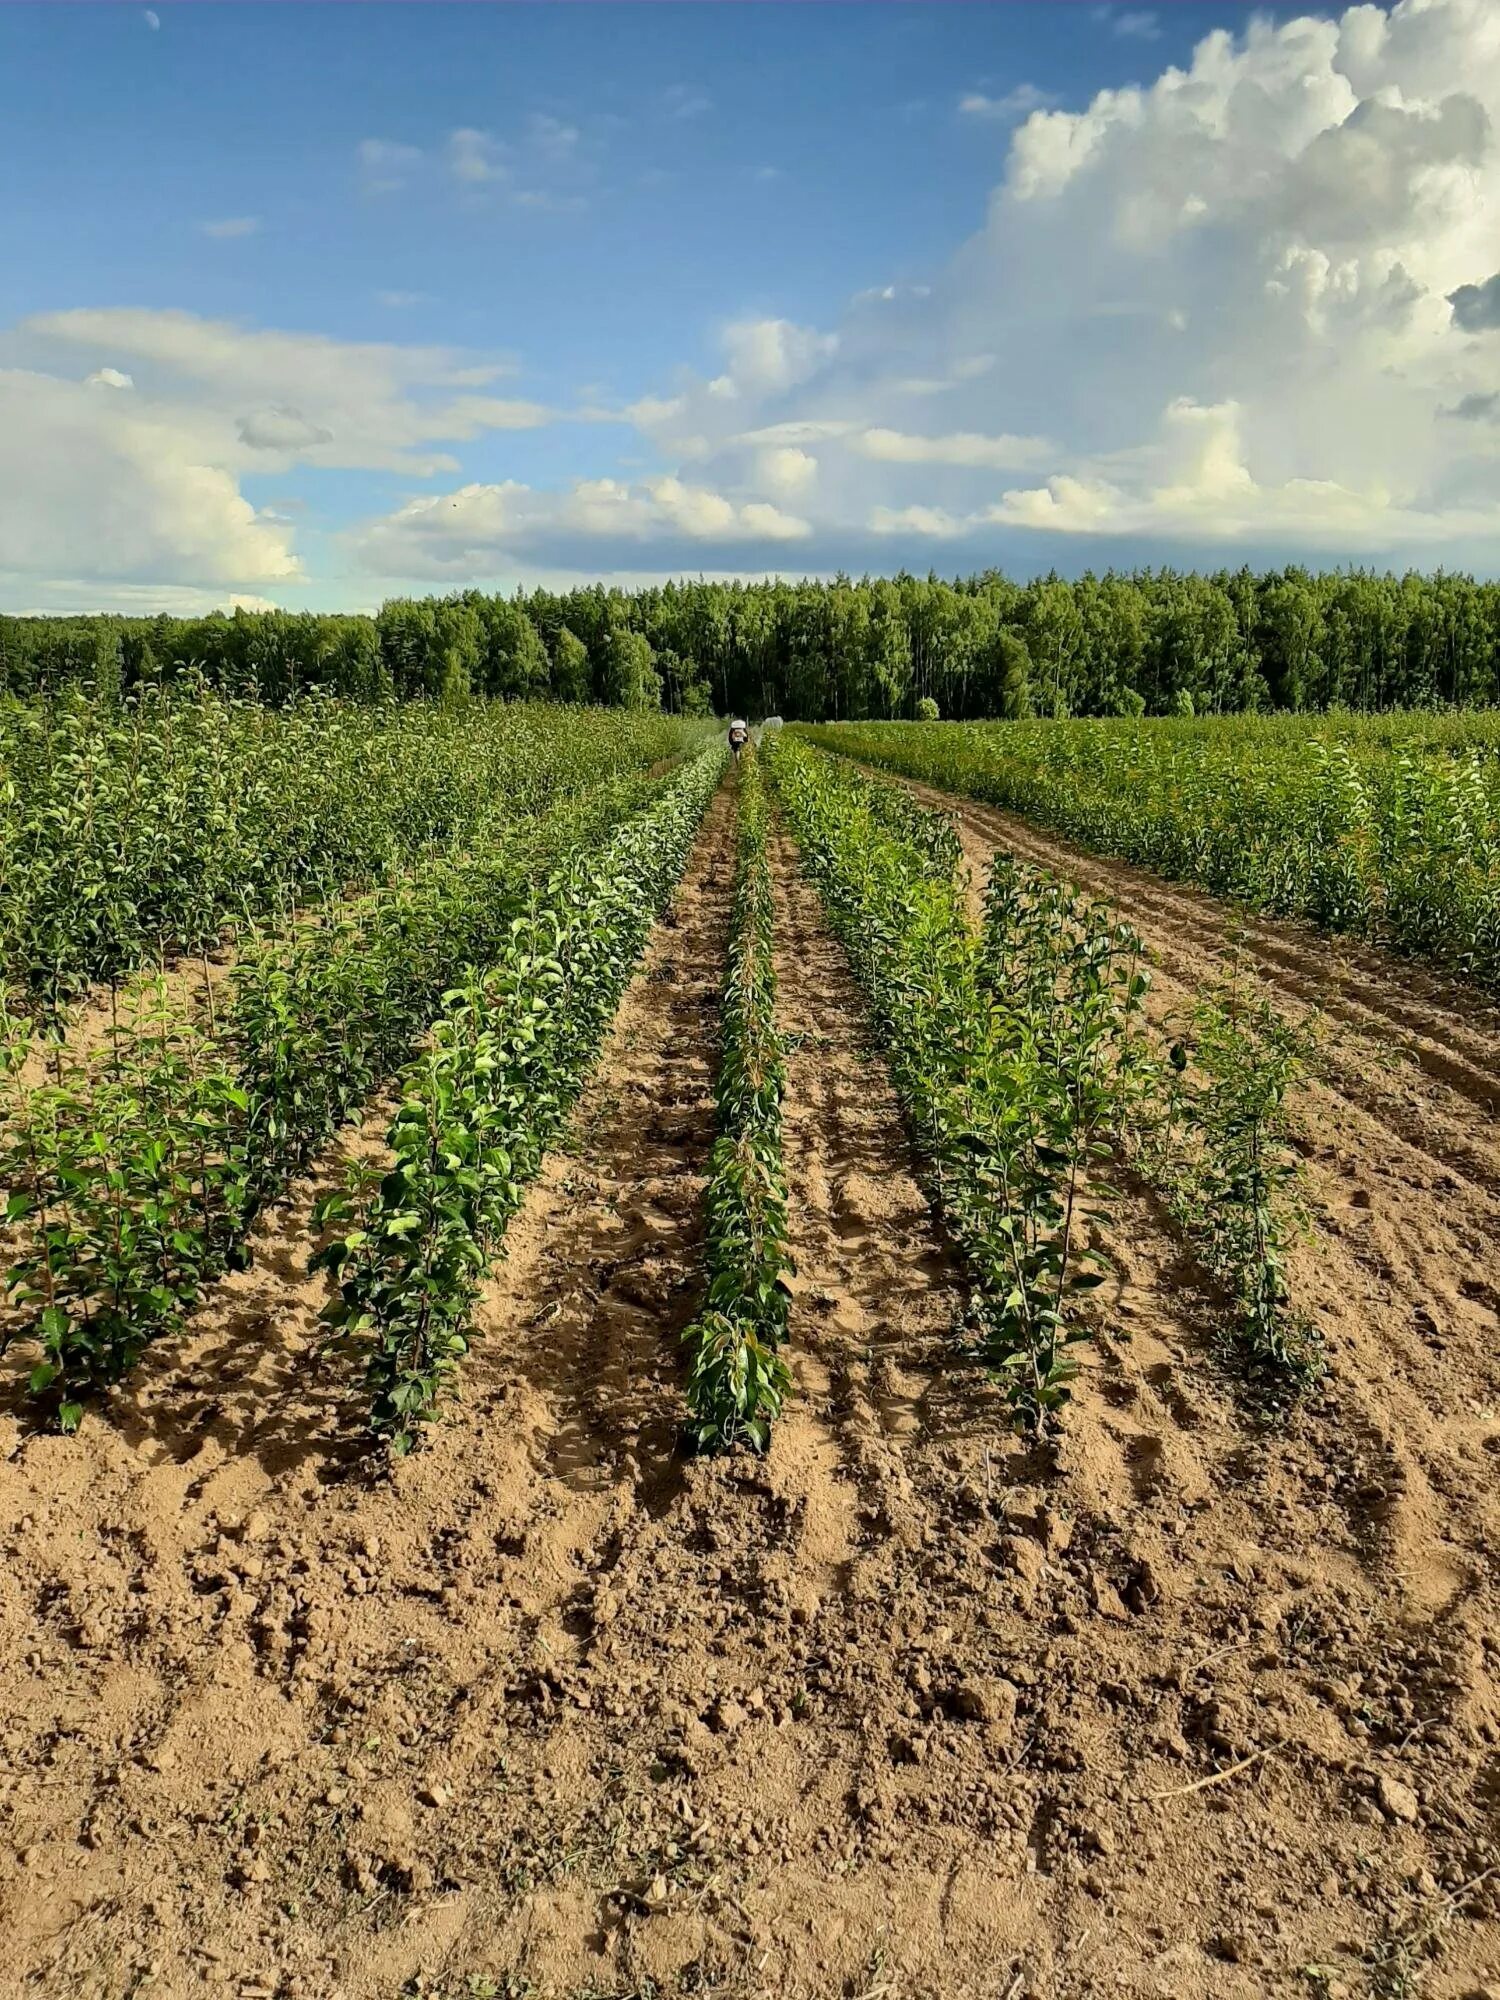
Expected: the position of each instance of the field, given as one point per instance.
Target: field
(874, 1372)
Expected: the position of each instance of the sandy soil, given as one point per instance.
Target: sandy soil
(904, 1710)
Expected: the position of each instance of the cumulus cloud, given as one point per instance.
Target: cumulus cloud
(769, 356)
(957, 448)
(368, 405)
(66, 596)
(1476, 308)
(281, 429)
(128, 485)
(479, 529)
(787, 469)
(142, 470)
(1017, 103)
(1220, 307)
(1246, 305)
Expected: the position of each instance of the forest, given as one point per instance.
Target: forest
(1151, 642)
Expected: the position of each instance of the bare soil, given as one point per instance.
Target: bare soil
(1185, 1708)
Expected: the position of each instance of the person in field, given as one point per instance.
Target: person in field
(739, 736)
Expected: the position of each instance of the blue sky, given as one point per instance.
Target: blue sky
(309, 303)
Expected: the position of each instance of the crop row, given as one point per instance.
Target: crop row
(135, 1176)
(128, 832)
(1198, 1109)
(1007, 1146)
(483, 1102)
(1021, 1057)
(1390, 832)
(737, 1379)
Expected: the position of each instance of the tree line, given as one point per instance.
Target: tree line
(1155, 642)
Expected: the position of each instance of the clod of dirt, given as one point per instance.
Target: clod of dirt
(1396, 1801)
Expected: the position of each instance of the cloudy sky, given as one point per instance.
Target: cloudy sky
(309, 305)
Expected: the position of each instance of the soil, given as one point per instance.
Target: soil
(1183, 1707)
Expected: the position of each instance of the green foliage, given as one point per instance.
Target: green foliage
(481, 1105)
(927, 709)
(1118, 644)
(1204, 1119)
(1008, 1093)
(1013, 679)
(136, 1173)
(737, 1379)
(570, 667)
(630, 676)
(132, 832)
(1213, 1137)
(1385, 827)
(130, 1175)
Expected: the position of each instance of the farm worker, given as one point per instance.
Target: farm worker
(739, 736)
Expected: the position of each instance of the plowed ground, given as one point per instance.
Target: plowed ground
(1186, 1708)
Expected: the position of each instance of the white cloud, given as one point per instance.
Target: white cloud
(968, 448)
(1017, 103)
(786, 469)
(474, 157)
(368, 405)
(1249, 304)
(890, 294)
(281, 429)
(127, 484)
(142, 470)
(1246, 303)
(232, 226)
(386, 164)
(768, 356)
(29, 596)
(654, 410)
(479, 528)
(1205, 489)
(933, 522)
(545, 167)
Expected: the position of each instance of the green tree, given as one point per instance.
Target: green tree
(630, 676)
(1012, 677)
(570, 667)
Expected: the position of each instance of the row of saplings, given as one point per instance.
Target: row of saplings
(1028, 1072)
(137, 1171)
(1020, 1052)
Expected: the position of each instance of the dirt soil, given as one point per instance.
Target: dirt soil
(1184, 1708)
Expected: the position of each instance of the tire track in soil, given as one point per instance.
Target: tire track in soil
(875, 1712)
